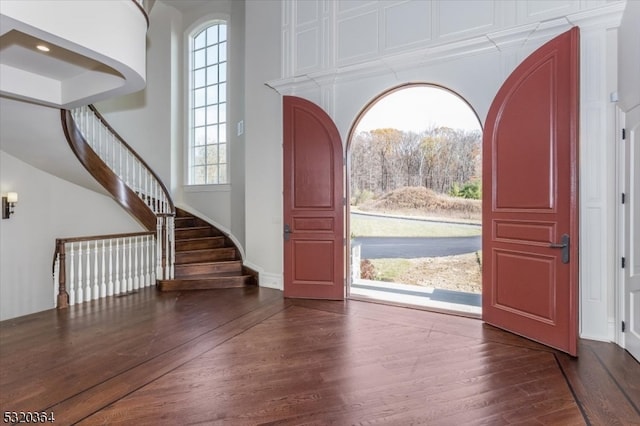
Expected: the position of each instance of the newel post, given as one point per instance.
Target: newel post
(63, 296)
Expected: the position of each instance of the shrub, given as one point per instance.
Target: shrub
(470, 190)
(361, 197)
(367, 270)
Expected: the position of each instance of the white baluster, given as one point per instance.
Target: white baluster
(146, 189)
(110, 284)
(124, 265)
(152, 258)
(139, 183)
(103, 282)
(91, 133)
(117, 289)
(56, 277)
(167, 254)
(136, 270)
(172, 245)
(130, 270)
(109, 150)
(87, 293)
(80, 280)
(147, 262)
(103, 144)
(95, 293)
(119, 160)
(127, 178)
(71, 285)
(159, 272)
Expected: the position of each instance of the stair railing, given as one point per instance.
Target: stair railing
(126, 176)
(89, 268)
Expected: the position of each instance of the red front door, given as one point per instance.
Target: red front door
(313, 203)
(530, 169)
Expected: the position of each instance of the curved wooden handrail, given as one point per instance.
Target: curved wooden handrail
(104, 237)
(124, 195)
(144, 12)
(112, 130)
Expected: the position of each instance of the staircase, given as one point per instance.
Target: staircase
(191, 253)
(205, 258)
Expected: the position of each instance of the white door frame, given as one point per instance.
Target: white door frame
(624, 239)
(620, 227)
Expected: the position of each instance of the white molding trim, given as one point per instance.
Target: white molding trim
(619, 286)
(608, 16)
(597, 338)
(269, 280)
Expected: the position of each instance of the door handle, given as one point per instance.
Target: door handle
(564, 245)
(287, 232)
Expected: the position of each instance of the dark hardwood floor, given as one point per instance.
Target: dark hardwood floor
(246, 356)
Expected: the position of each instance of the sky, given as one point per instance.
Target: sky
(417, 108)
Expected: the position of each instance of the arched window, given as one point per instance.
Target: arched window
(208, 153)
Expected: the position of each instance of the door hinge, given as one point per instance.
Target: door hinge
(624, 262)
(624, 133)
(623, 198)
(623, 326)
(344, 201)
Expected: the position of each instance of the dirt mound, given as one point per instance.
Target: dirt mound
(420, 201)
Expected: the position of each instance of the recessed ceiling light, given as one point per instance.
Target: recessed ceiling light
(42, 47)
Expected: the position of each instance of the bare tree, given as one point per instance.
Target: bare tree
(438, 158)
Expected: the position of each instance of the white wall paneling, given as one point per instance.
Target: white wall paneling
(471, 47)
(541, 10)
(357, 37)
(597, 161)
(405, 24)
(463, 18)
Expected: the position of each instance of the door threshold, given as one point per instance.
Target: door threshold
(389, 296)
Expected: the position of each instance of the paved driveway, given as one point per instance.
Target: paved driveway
(413, 247)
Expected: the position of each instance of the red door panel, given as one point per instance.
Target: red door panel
(530, 168)
(313, 203)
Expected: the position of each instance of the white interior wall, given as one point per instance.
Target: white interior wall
(144, 118)
(263, 135)
(628, 90)
(629, 54)
(153, 121)
(236, 109)
(48, 208)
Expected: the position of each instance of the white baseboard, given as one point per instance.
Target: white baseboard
(271, 281)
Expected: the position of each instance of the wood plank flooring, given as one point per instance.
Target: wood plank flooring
(246, 356)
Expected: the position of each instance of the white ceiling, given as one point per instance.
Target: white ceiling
(187, 5)
(18, 50)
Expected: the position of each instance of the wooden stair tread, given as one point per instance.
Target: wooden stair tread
(192, 227)
(214, 275)
(219, 262)
(206, 283)
(198, 243)
(213, 249)
(204, 237)
(205, 258)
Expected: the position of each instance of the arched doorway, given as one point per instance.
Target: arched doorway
(414, 173)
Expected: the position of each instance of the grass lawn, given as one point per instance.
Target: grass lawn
(377, 226)
(458, 273)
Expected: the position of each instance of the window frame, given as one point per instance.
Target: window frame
(190, 34)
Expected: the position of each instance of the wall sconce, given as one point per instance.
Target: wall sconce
(8, 203)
